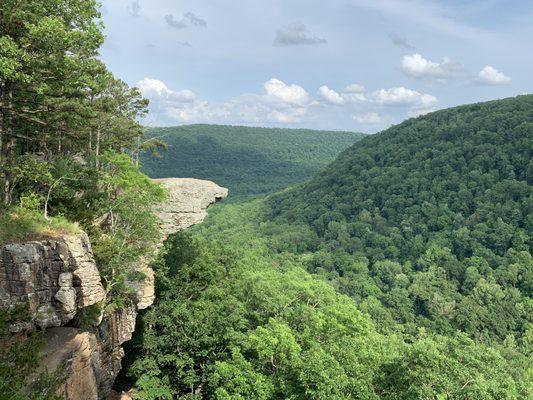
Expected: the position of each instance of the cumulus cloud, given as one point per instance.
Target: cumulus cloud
(331, 96)
(291, 94)
(400, 42)
(370, 118)
(401, 96)
(354, 88)
(491, 76)
(154, 88)
(296, 34)
(280, 103)
(134, 8)
(419, 67)
(189, 19)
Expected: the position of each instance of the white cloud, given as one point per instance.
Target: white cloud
(331, 95)
(418, 67)
(280, 103)
(283, 103)
(185, 96)
(187, 112)
(401, 96)
(368, 118)
(153, 87)
(287, 116)
(491, 76)
(354, 88)
(354, 93)
(291, 94)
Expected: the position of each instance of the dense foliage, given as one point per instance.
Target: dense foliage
(426, 227)
(432, 217)
(235, 320)
(68, 131)
(248, 161)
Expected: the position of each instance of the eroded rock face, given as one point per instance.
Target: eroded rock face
(188, 202)
(91, 359)
(79, 354)
(54, 277)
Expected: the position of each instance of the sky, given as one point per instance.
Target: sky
(358, 65)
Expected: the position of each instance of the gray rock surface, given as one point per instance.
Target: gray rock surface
(53, 277)
(188, 202)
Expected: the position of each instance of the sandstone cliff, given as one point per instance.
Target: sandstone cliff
(56, 278)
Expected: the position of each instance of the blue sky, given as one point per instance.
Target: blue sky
(338, 64)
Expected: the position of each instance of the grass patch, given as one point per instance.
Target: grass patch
(19, 224)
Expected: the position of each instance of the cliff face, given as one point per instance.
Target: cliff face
(56, 278)
(186, 206)
(53, 277)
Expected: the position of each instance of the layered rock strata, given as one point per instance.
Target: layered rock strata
(53, 278)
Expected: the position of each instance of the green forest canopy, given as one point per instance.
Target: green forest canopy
(442, 208)
(248, 161)
(424, 232)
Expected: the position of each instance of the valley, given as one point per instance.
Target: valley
(409, 256)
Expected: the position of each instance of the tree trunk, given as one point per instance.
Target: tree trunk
(42, 144)
(97, 150)
(1, 123)
(10, 150)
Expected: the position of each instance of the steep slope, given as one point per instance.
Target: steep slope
(248, 161)
(441, 206)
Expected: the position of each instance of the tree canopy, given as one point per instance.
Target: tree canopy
(248, 161)
(68, 131)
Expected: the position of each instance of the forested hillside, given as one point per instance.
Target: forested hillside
(402, 271)
(441, 207)
(248, 161)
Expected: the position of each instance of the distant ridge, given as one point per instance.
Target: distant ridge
(248, 161)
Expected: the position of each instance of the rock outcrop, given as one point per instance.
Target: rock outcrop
(188, 202)
(53, 277)
(56, 278)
